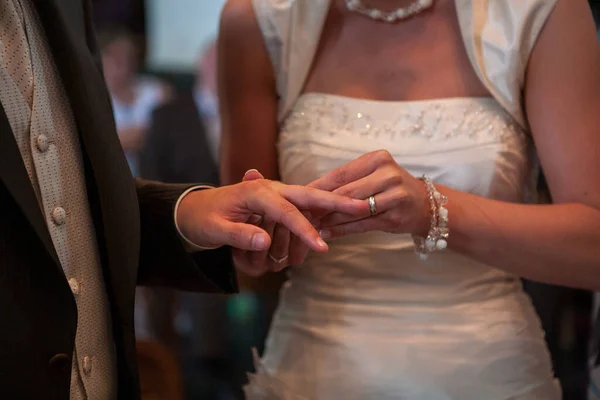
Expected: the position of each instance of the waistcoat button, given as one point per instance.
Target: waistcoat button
(59, 216)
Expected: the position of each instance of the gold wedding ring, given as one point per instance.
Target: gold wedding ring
(372, 206)
(278, 260)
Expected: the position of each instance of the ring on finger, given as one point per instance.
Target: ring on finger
(372, 206)
(278, 260)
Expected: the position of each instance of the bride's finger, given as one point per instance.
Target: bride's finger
(252, 174)
(279, 249)
(298, 250)
(254, 219)
(384, 202)
(370, 185)
(354, 170)
(364, 225)
(241, 259)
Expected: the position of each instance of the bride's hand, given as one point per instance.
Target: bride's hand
(401, 200)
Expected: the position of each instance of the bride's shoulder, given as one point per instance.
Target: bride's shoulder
(259, 8)
(246, 14)
(238, 21)
(495, 20)
(240, 32)
(237, 11)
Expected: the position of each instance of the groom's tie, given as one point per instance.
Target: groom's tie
(14, 51)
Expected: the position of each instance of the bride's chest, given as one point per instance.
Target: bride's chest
(422, 58)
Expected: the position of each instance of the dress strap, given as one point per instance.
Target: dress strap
(291, 30)
(499, 37)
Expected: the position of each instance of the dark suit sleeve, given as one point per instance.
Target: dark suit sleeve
(153, 157)
(163, 259)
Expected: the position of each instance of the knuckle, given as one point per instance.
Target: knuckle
(239, 236)
(393, 179)
(401, 196)
(396, 220)
(288, 208)
(339, 176)
(259, 183)
(383, 156)
(345, 192)
(234, 236)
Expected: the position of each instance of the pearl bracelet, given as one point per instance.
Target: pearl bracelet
(437, 238)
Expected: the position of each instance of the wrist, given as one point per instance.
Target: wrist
(187, 223)
(423, 225)
(437, 236)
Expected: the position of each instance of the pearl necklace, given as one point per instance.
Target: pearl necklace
(392, 16)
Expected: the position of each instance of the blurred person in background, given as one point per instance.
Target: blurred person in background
(133, 96)
(181, 146)
(183, 135)
(206, 96)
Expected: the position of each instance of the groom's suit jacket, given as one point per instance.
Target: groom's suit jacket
(133, 222)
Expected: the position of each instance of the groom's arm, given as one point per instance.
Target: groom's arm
(164, 258)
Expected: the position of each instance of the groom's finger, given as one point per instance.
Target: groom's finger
(310, 199)
(241, 236)
(259, 258)
(273, 205)
(354, 170)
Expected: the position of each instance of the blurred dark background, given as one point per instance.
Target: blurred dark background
(195, 346)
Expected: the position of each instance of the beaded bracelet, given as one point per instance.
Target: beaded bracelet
(437, 237)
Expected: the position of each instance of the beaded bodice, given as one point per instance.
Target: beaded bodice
(478, 119)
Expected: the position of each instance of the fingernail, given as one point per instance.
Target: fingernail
(325, 234)
(322, 243)
(250, 170)
(259, 241)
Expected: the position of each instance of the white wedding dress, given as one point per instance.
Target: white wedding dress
(369, 319)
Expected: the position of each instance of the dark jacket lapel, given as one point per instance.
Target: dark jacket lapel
(14, 175)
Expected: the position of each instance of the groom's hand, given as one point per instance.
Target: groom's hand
(220, 216)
